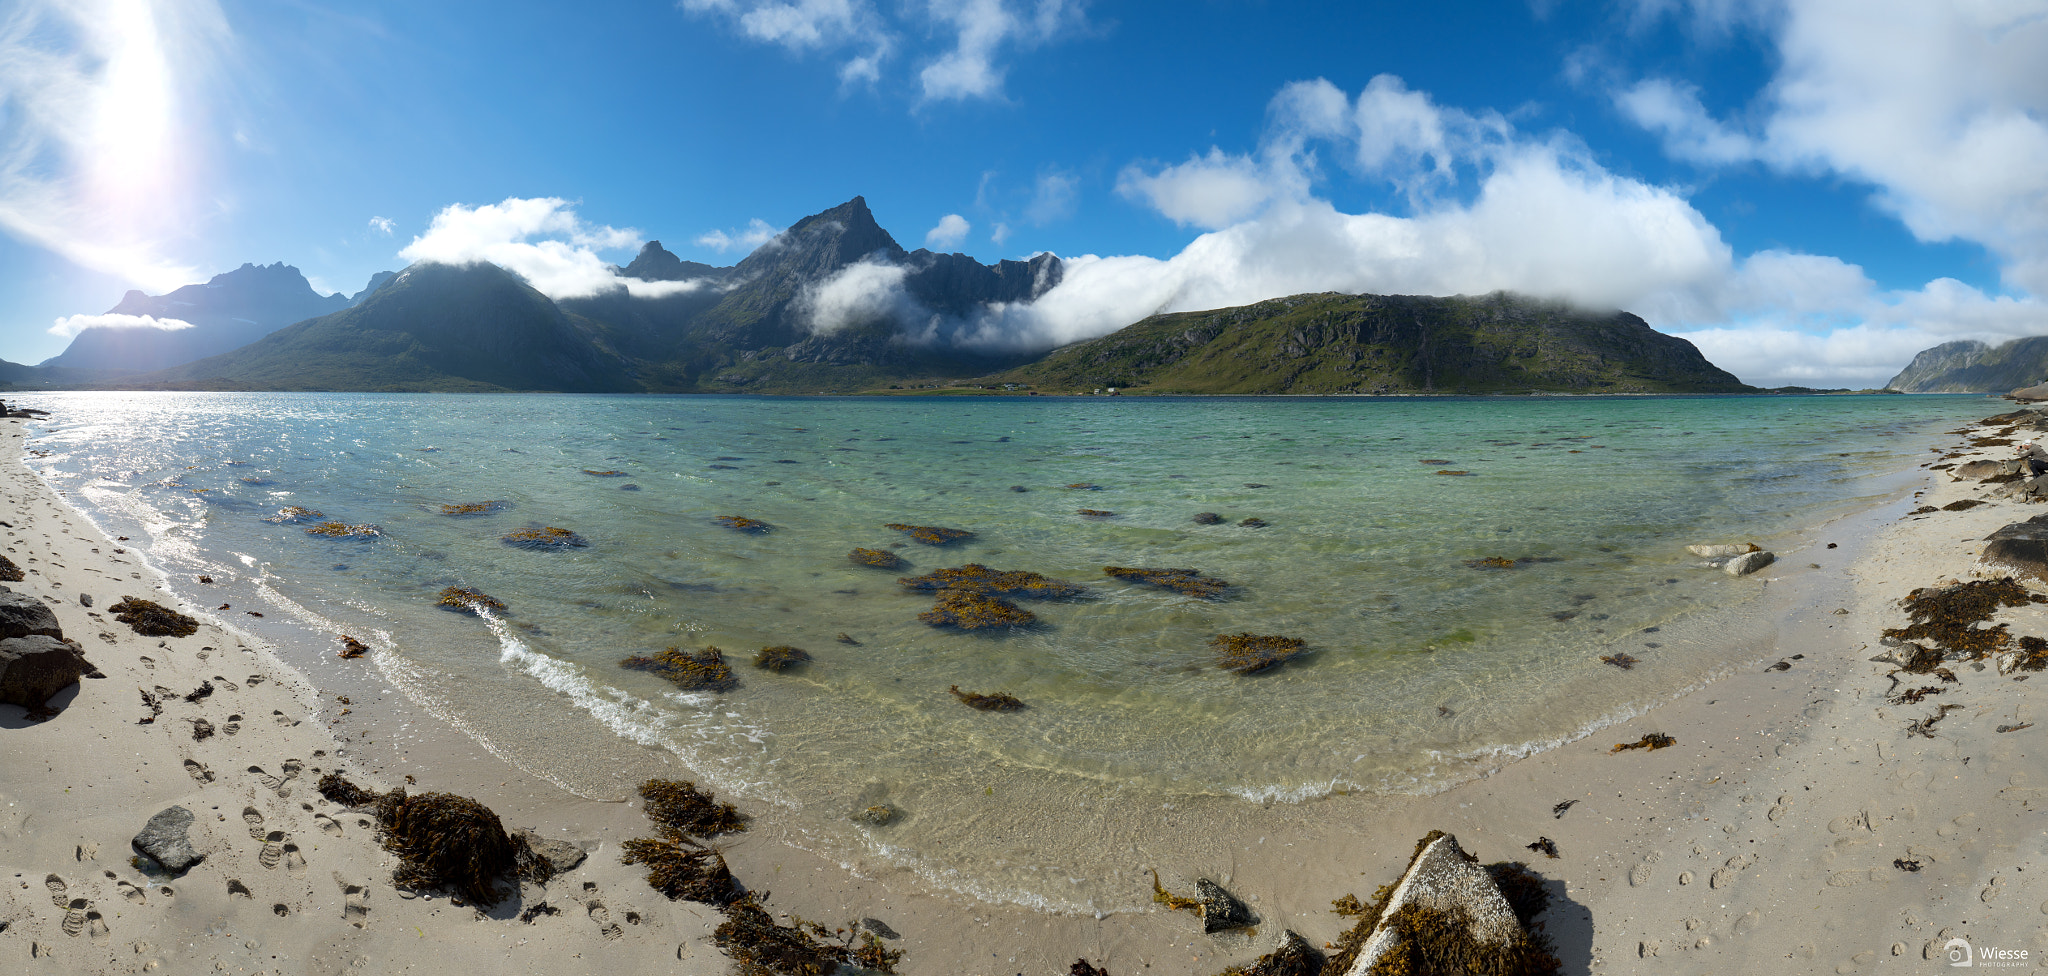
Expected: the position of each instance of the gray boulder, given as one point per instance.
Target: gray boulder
(1441, 879)
(165, 840)
(1720, 552)
(2033, 528)
(1979, 470)
(35, 667)
(562, 855)
(2020, 557)
(22, 615)
(1749, 562)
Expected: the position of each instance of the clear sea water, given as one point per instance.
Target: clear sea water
(1422, 670)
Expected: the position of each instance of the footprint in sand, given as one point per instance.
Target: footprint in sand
(237, 889)
(294, 862)
(96, 927)
(355, 903)
(198, 772)
(1779, 809)
(111, 639)
(281, 909)
(1725, 875)
(273, 850)
(148, 663)
(283, 719)
(234, 725)
(1748, 922)
(600, 914)
(327, 824)
(225, 685)
(254, 818)
(57, 889)
(130, 892)
(87, 851)
(1992, 890)
(1640, 874)
(75, 916)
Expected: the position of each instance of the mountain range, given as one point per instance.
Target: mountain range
(1975, 367)
(835, 304)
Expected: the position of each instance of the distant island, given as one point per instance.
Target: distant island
(761, 327)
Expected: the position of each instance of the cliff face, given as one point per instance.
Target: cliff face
(1331, 343)
(231, 310)
(1975, 367)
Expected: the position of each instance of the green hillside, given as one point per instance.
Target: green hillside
(1332, 343)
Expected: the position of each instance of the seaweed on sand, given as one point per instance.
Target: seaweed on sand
(705, 670)
(1294, 957)
(1963, 505)
(682, 870)
(151, 619)
(9, 572)
(1178, 903)
(444, 841)
(679, 808)
(343, 530)
(545, 539)
(742, 523)
(1432, 941)
(931, 535)
(1650, 740)
(352, 648)
(1924, 726)
(969, 610)
(1082, 967)
(781, 658)
(1944, 616)
(463, 599)
(1190, 582)
(1253, 653)
(976, 578)
(878, 558)
(1545, 846)
(997, 702)
(294, 515)
(475, 508)
(802, 948)
(2033, 654)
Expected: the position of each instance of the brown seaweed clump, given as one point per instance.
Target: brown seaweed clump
(151, 619)
(2033, 654)
(1207, 518)
(931, 535)
(781, 658)
(976, 578)
(475, 508)
(969, 610)
(1254, 523)
(705, 670)
(1190, 582)
(802, 948)
(742, 523)
(679, 808)
(1432, 941)
(444, 841)
(1621, 660)
(546, 539)
(1491, 562)
(1253, 653)
(1945, 616)
(1652, 741)
(343, 530)
(1295, 957)
(9, 572)
(294, 515)
(1961, 506)
(997, 702)
(352, 648)
(1095, 513)
(681, 870)
(878, 558)
(469, 600)
(1083, 967)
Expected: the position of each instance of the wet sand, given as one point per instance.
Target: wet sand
(1763, 841)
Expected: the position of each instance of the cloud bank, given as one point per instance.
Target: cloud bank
(757, 233)
(951, 230)
(72, 325)
(541, 240)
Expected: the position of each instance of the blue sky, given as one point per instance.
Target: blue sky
(1811, 191)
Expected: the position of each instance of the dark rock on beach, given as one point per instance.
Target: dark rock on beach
(1221, 910)
(2022, 557)
(22, 615)
(164, 839)
(560, 855)
(34, 667)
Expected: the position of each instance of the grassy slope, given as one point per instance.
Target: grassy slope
(1331, 343)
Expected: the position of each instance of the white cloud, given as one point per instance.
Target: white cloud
(99, 160)
(805, 26)
(757, 233)
(864, 292)
(951, 230)
(72, 325)
(540, 239)
(1052, 198)
(1939, 106)
(382, 225)
(1000, 233)
(1212, 191)
(981, 29)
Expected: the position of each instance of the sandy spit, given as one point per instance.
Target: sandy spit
(1766, 840)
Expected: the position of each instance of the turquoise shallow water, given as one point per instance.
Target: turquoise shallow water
(1422, 670)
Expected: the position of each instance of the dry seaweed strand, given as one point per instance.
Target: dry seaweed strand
(967, 610)
(1253, 653)
(1652, 741)
(781, 658)
(997, 702)
(463, 599)
(545, 539)
(1190, 582)
(931, 535)
(1924, 725)
(878, 558)
(1945, 617)
(976, 578)
(1178, 903)
(151, 619)
(352, 648)
(705, 670)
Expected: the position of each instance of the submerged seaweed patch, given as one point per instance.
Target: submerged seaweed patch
(469, 600)
(1620, 660)
(705, 670)
(1095, 513)
(878, 558)
(931, 535)
(976, 578)
(997, 702)
(151, 619)
(1253, 653)
(475, 508)
(1187, 581)
(343, 530)
(742, 523)
(294, 515)
(1491, 562)
(781, 658)
(969, 610)
(545, 539)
